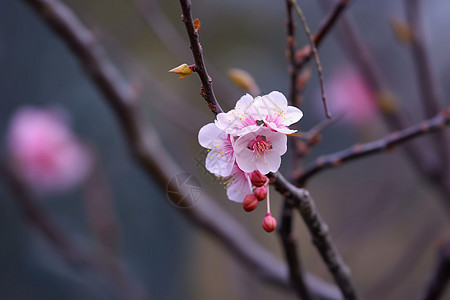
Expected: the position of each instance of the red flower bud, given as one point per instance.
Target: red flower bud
(261, 193)
(269, 223)
(257, 178)
(250, 202)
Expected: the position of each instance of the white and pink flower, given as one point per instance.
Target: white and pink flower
(260, 150)
(251, 137)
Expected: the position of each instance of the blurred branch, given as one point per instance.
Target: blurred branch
(426, 80)
(440, 275)
(149, 153)
(36, 216)
(303, 202)
(315, 54)
(425, 161)
(386, 143)
(328, 23)
(197, 51)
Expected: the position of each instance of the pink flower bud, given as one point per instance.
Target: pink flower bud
(269, 223)
(257, 178)
(250, 202)
(261, 193)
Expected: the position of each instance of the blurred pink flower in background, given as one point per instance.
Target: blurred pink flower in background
(349, 94)
(45, 153)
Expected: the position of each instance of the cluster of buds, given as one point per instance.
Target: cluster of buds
(260, 192)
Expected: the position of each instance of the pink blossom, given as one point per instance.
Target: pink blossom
(275, 112)
(260, 150)
(348, 93)
(46, 154)
(220, 160)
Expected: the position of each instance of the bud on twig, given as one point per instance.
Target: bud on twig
(257, 178)
(269, 223)
(245, 81)
(250, 203)
(182, 70)
(261, 193)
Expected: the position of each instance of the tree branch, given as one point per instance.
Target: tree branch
(387, 143)
(315, 54)
(440, 275)
(426, 80)
(328, 23)
(197, 51)
(303, 202)
(149, 153)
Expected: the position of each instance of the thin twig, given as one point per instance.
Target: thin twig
(197, 51)
(427, 82)
(328, 23)
(288, 241)
(315, 55)
(36, 216)
(149, 153)
(386, 143)
(291, 252)
(440, 275)
(303, 202)
(293, 71)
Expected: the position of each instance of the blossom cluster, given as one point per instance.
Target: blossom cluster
(249, 139)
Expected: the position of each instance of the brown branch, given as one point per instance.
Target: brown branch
(149, 153)
(328, 23)
(387, 143)
(290, 251)
(197, 51)
(440, 275)
(315, 54)
(303, 202)
(427, 82)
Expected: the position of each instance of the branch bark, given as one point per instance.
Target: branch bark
(303, 202)
(197, 51)
(386, 143)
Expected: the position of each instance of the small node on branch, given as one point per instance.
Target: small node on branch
(402, 31)
(203, 94)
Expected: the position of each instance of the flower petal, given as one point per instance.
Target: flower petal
(240, 185)
(292, 115)
(210, 136)
(219, 162)
(269, 163)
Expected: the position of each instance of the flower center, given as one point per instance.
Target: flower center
(260, 146)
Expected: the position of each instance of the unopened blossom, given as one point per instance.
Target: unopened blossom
(269, 223)
(238, 185)
(273, 109)
(250, 203)
(240, 120)
(220, 159)
(45, 153)
(260, 150)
